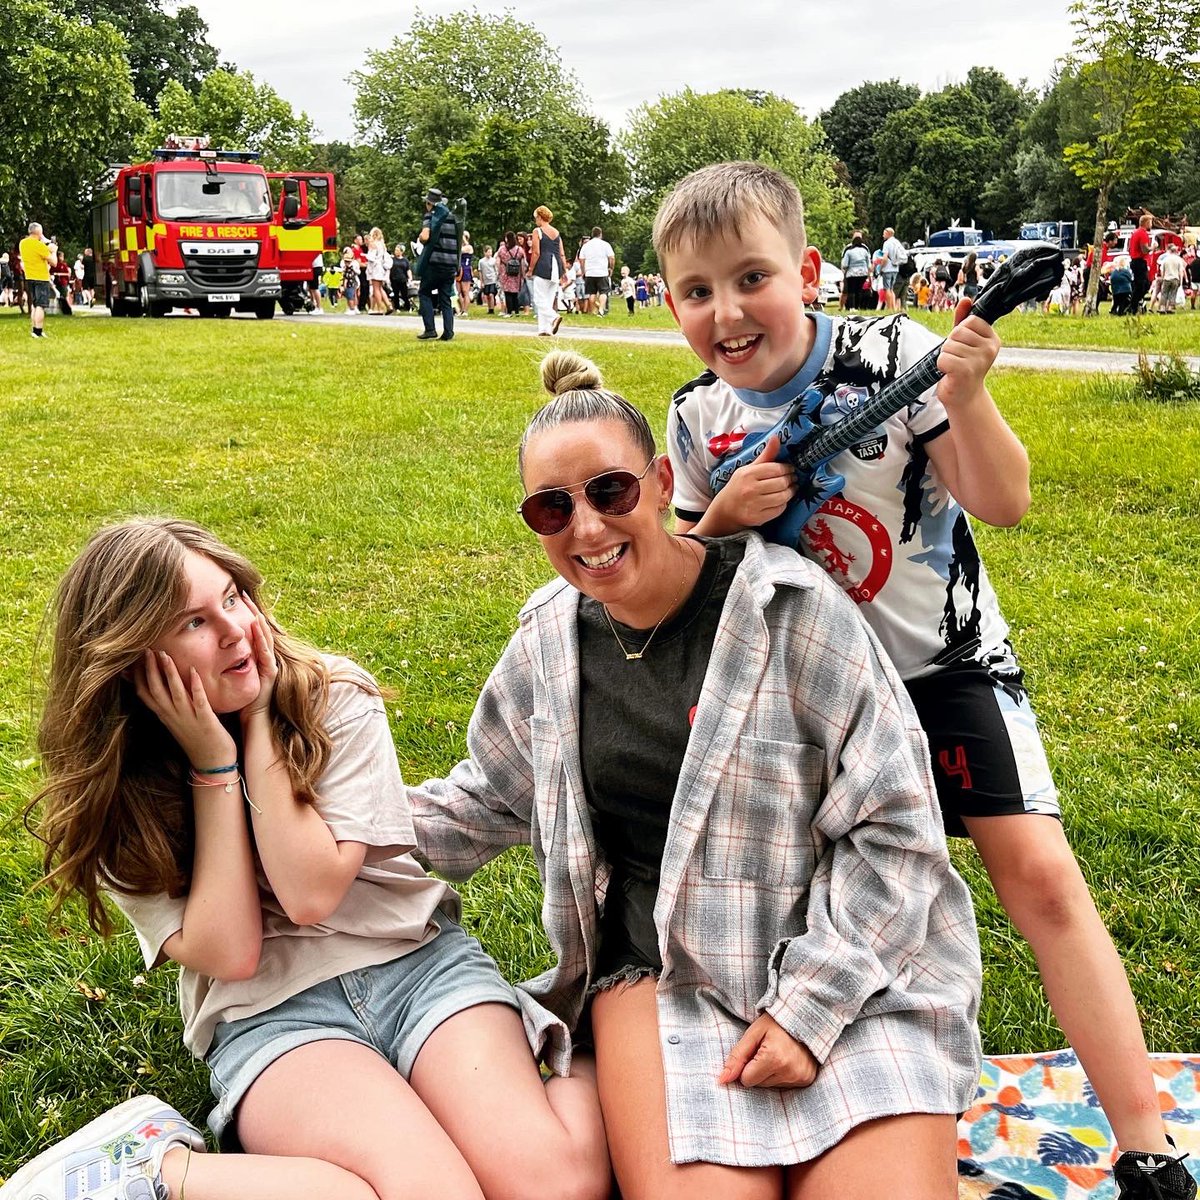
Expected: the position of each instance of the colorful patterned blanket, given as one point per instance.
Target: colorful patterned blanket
(1036, 1131)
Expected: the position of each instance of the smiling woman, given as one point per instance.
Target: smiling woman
(780, 974)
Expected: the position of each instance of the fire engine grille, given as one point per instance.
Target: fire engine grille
(220, 274)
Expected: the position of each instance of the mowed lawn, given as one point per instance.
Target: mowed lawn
(1178, 333)
(373, 480)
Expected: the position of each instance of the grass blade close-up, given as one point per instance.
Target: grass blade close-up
(373, 480)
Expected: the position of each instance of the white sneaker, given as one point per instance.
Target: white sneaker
(118, 1156)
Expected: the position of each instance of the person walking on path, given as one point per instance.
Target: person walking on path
(438, 265)
(38, 256)
(547, 262)
(598, 260)
(513, 262)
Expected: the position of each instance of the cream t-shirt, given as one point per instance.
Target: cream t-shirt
(387, 912)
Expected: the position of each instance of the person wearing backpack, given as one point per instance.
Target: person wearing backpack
(512, 262)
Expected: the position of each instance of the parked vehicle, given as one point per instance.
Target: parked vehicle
(196, 227)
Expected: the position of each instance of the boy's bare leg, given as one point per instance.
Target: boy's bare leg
(1038, 881)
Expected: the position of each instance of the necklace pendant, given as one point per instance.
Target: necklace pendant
(633, 657)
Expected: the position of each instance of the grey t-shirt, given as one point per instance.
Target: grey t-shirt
(635, 719)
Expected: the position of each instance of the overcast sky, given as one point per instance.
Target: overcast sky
(628, 51)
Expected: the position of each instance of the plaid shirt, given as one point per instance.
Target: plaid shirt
(805, 873)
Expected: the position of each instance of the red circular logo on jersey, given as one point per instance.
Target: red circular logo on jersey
(852, 545)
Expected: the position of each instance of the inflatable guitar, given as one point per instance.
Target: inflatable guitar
(1028, 275)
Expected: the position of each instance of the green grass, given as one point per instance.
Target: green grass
(1179, 333)
(373, 481)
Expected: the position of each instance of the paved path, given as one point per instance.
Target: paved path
(1111, 361)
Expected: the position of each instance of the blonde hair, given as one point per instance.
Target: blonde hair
(579, 394)
(116, 802)
(376, 236)
(543, 213)
(716, 201)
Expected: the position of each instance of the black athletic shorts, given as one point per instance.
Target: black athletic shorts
(596, 285)
(984, 744)
(40, 293)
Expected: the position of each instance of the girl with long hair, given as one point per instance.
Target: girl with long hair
(379, 265)
(237, 795)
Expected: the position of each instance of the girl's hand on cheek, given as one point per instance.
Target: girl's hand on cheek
(262, 642)
(184, 710)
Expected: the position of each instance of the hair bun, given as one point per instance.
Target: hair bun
(566, 371)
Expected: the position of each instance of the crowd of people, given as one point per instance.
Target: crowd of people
(735, 766)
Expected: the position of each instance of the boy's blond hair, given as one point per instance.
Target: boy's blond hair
(717, 201)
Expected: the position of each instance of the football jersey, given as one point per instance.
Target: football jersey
(894, 538)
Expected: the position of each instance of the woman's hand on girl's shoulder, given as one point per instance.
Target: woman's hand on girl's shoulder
(768, 1056)
(184, 710)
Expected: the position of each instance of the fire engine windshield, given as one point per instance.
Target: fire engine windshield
(197, 196)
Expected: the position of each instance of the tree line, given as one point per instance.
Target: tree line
(483, 107)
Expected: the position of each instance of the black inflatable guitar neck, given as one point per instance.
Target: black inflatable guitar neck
(1028, 275)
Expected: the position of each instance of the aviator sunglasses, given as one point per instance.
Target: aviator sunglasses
(613, 493)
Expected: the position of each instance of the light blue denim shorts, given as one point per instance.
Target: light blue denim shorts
(392, 1008)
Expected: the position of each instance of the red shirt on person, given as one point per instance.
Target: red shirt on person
(1139, 243)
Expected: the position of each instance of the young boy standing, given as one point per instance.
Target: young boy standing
(731, 242)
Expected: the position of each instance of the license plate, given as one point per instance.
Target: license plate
(223, 297)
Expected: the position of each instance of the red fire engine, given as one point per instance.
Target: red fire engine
(197, 228)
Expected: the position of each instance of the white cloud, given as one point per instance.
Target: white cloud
(629, 51)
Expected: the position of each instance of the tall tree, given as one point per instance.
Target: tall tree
(161, 45)
(66, 107)
(856, 116)
(679, 133)
(237, 114)
(1136, 65)
(933, 161)
(481, 106)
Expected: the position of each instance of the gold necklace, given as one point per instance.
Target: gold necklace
(633, 656)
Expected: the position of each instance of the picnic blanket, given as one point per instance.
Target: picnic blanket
(1036, 1129)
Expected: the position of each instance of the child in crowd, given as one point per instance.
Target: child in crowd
(333, 285)
(236, 794)
(350, 288)
(1120, 285)
(731, 241)
(628, 289)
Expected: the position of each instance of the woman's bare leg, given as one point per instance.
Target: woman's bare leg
(633, 1098)
(520, 1136)
(909, 1157)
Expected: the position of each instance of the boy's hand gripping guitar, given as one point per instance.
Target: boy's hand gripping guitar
(1028, 275)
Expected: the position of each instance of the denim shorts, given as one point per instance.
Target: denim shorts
(392, 1008)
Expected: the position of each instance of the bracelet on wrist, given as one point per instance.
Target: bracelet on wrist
(215, 770)
(226, 785)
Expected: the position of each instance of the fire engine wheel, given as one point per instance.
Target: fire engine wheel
(264, 310)
(151, 308)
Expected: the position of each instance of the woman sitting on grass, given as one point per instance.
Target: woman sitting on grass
(238, 796)
(729, 802)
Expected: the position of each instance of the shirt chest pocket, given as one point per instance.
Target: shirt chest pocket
(760, 823)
